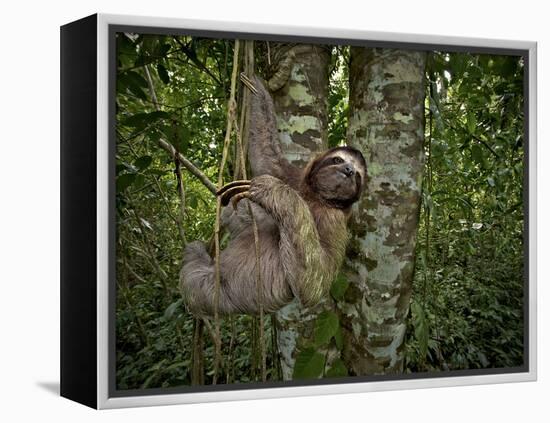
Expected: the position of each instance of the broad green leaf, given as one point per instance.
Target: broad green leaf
(339, 287)
(139, 181)
(143, 162)
(309, 364)
(136, 78)
(124, 181)
(337, 369)
(170, 310)
(326, 326)
(163, 73)
(154, 134)
(132, 81)
(150, 43)
(124, 44)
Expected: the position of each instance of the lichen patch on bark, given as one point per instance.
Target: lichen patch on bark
(386, 123)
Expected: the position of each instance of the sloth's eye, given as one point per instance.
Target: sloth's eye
(337, 160)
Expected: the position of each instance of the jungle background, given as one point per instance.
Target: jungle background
(433, 279)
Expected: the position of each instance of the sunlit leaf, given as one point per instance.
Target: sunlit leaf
(471, 122)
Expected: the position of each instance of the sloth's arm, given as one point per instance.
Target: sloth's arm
(303, 257)
(237, 220)
(264, 153)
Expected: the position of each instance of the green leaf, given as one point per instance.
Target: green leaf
(136, 79)
(192, 200)
(471, 122)
(309, 364)
(338, 369)
(477, 154)
(326, 327)
(124, 44)
(132, 81)
(139, 181)
(150, 43)
(143, 162)
(124, 181)
(170, 310)
(154, 134)
(163, 73)
(339, 287)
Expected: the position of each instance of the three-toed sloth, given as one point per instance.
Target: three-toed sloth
(301, 215)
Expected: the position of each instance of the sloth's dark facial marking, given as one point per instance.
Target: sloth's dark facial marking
(338, 176)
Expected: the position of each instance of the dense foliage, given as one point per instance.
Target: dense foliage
(467, 310)
(467, 304)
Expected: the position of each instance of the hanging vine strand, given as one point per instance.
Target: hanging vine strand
(231, 106)
(249, 67)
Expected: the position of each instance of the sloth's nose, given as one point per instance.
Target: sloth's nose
(348, 170)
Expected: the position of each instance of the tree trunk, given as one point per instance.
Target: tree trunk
(386, 122)
(299, 84)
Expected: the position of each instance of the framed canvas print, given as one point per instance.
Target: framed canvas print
(254, 211)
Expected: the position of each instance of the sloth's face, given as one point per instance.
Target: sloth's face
(338, 176)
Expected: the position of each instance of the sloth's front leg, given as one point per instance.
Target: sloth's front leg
(269, 192)
(256, 190)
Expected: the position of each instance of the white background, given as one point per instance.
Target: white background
(29, 209)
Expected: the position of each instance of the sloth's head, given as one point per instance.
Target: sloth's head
(337, 176)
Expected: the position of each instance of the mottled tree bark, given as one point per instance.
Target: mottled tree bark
(298, 81)
(386, 123)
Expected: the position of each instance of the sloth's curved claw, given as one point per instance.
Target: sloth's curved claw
(248, 82)
(238, 197)
(231, 192)
(231, 185)
(233, 188)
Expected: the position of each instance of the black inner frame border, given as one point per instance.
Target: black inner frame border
(113, 29)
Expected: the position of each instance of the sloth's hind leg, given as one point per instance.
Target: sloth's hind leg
(197, 278)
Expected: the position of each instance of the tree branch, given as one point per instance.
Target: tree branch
(174, 153)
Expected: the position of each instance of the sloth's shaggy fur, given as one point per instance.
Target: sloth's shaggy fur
(301, 216)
